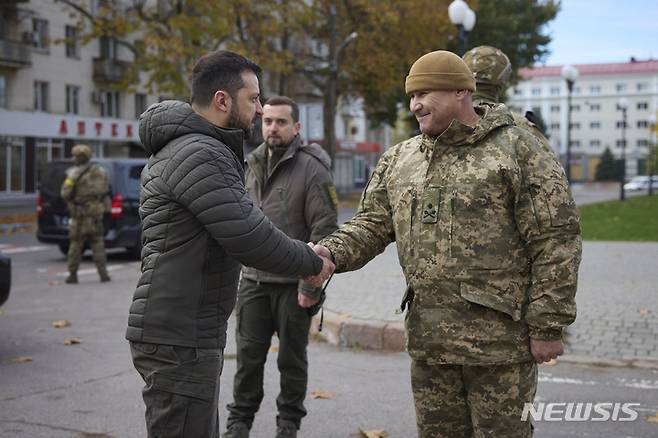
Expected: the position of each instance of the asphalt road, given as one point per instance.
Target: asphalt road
(91, 390)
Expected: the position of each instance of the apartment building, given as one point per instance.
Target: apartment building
(596, 119)
(54, 95)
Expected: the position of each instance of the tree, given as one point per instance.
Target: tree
(608, 168)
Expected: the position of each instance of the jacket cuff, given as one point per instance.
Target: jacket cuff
(551, 334)
(309, 290)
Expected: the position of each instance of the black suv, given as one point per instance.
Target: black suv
(123, 229)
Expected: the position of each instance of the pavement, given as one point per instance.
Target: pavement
(617, 321)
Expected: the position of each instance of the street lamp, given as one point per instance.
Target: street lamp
(652, 150)
(464, 18)
(622, 104)
(569, 74)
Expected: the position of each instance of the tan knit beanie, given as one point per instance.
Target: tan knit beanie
(440, 70)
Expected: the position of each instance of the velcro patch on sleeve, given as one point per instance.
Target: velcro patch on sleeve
(331, 193)
(69, 182)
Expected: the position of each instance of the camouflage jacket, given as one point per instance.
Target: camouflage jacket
(86, 190)
(487, 234)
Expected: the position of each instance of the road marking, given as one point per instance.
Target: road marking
(93, 270)
(617, 381)
(21, 249)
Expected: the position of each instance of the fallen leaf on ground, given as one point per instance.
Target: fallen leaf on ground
(653, 418)
(273, 349)
(321, 394)
(344, 315)
(375, 433)
(61, 323)
(644, 312)
(23, 359)
(55, 282)
(72, 341)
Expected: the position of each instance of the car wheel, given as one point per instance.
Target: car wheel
(64, 248)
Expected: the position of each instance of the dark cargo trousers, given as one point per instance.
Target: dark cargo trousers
(182, 389)
(472, 401)
(261, 310)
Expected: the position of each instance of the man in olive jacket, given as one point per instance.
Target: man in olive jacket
(199, 225)
(292, 184)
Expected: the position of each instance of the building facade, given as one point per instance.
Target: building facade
(596, 119)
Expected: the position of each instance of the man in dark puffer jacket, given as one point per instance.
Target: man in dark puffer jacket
(199, 226)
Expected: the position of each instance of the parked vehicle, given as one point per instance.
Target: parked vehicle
(5, 278)
(641, 183)
(123, 228)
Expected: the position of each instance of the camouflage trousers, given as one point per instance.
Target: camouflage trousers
(86, 229)
(464, 401)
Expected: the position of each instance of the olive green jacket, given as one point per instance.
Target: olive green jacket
(488, 237)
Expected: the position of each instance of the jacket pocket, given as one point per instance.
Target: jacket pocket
(553, 205)
(492, 298)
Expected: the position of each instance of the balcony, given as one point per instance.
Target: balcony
(110, 71)
(14, 54)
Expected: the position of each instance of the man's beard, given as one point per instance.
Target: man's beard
(235, 122)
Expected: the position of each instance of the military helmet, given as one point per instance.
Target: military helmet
(489, 65)
(81, 150)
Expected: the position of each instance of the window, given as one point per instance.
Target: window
(642, 124)
(595, 143)
(642, 105)
(620, 124)
(576, 90)
(72, 42)
(621, 87)
(555, 91)
(72, 99)
(555, 108)
(621, 143)
(555, 126)
(3, 92)
(575, 108)
(595, 107)
(575, 125)
(40, 96)
(518, 92)
(575, 143)
(536, 91)
(140, 104)
(108, 48)
(642, 86)
(40, 34)
(643, 142)
(11, 164)
(595, 125)
(110, 104)
(595, 90)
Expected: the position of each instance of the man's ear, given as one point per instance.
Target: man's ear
(461, 94)
(221, 100)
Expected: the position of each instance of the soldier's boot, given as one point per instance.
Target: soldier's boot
(286, 429)
(72, 278)
(237, 430)
(104, 277)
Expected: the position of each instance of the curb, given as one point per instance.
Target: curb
(341, 330)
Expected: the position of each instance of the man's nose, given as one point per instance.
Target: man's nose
(259, 109)
(414, 105)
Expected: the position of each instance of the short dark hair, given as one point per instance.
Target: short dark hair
(220, 70)
(284, 100)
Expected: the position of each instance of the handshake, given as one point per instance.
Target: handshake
(328, 266)
(327, 271)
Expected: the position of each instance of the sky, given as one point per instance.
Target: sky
(601, 31)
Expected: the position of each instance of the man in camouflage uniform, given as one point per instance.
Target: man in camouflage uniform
(292, 184)
(85, 191)
(488, 237)
(492, 71)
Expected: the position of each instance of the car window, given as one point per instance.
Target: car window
(53, 177)
(133, 183)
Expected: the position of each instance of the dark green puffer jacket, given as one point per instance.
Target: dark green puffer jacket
(199, 225)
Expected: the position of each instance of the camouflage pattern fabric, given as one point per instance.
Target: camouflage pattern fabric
(85, 191)
(487, 234)
(455, 401)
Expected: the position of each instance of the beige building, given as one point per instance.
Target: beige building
(596, 120)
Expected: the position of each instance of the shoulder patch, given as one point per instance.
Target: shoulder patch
(331, 193)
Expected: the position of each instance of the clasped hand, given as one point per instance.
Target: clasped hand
(328, 266)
